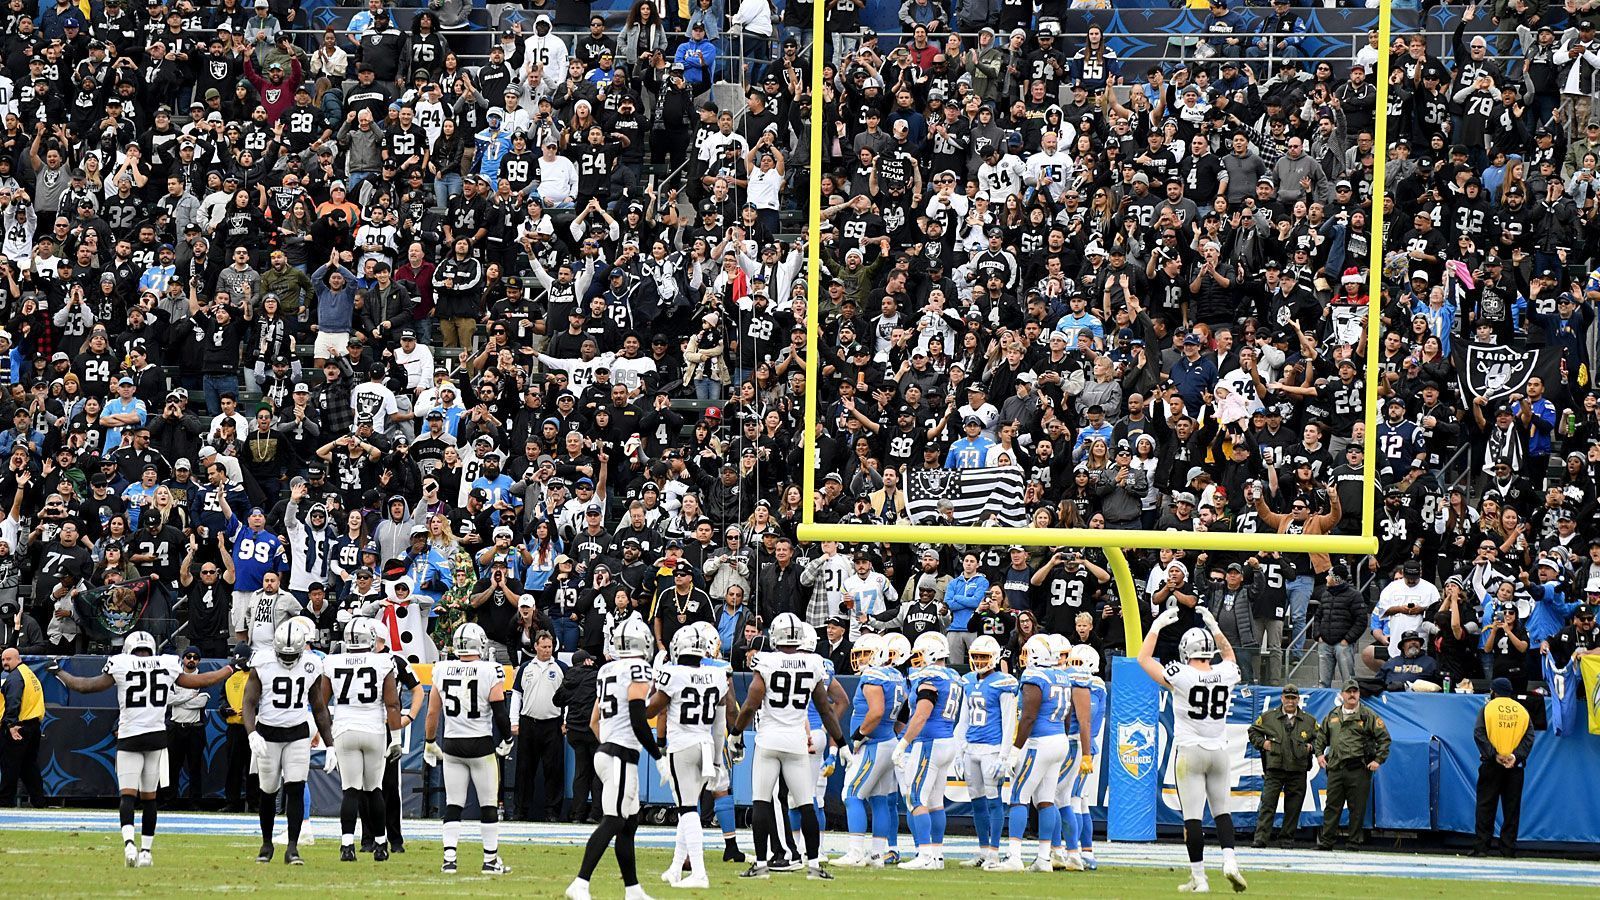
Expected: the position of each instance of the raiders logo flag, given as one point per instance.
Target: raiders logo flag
(977, 496)
(1495, 372)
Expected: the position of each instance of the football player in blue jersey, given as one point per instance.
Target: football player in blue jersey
(1082, 742)
(1037, 752)
(1086, 787)
(990, 696)
(870, 768)
(929, 746)
(899, 660)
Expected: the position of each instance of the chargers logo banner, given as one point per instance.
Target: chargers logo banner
(1132, 784)
(1136, 747)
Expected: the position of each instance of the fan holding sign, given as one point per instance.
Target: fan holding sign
(1504, 742)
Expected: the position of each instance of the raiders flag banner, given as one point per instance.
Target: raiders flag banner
(1495, 372)
(980, 496)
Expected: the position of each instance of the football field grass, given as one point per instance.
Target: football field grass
(89, 863)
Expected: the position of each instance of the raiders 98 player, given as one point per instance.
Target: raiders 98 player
(465, 712)
(282, 697)
(697, 701)
(786, 682)
(143, 681)
(1202, 692)
(621, 688)
(364, 698)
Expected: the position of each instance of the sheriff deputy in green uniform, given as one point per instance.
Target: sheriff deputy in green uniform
(1352, 743)
(1286, 738)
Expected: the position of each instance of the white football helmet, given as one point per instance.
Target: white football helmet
(1086, 658)
(983, 653)
(290, 639)
(632, 640)
(139, 640)
(787, 631)
(868, 651)
(899, 648)
(1039, 651)
(1197, 643)
(470, 640)
(1063, 647)
(689, 642)
(712, 638)
(931, 649)
(361, 635)
(808, 637)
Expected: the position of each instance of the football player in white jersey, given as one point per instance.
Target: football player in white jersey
(821, 757)
(466, 712)
(1201, 695)
(784, 683)
(364, 698)
(695, 699)
(732, 743)
(143, 681)
(621, 688)
(282, 698)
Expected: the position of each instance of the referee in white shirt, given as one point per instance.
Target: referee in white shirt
(537, 728)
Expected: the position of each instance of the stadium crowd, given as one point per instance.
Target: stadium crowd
(324, 323)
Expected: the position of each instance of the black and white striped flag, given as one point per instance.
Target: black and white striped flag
(976, 494)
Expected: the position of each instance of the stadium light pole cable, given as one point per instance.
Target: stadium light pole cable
(1113, 542)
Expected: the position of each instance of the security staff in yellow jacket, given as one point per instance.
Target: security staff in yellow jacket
(21, 718)
(237, 747)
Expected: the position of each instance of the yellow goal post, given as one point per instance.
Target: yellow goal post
(1113, 542)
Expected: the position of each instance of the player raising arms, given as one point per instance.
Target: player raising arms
(284, 695)
(1037, 752)
(465, 712)
(870, 776)
(1201, 695)
(785, 682)
(143, 681)
(929, 746)
(695, 698)
(364, 698)
(619, 721)
(989, 695)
